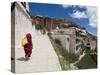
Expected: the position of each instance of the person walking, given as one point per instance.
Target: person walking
(28, 46)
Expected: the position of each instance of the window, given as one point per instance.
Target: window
(77, 33)
(77, 40)
(68, 39)
(77, 47)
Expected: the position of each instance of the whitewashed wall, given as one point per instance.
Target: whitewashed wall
(93, 45)
(70, 45)
(63, 38)
(23, 26)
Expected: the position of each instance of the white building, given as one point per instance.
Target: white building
(71, 39)
(67, 38)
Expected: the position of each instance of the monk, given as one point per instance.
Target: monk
(28, 47)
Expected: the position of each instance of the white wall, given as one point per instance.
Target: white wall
(70, 45)
(63, 38)
(23, 26)
(93, 45)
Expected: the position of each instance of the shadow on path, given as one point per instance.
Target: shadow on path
(21, 59)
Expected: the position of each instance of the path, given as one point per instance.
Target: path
(79, 59)
(43, 57)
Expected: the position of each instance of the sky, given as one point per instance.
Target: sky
(85, 16)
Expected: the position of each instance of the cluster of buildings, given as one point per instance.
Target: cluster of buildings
(72, 36)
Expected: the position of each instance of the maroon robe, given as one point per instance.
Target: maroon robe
(28, 47)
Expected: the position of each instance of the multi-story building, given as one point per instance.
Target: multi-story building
(50, 23)
(70, 39)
